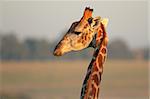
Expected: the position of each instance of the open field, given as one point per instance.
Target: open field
(63, 79)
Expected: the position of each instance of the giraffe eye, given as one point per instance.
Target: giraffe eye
(90, 20)
(77, 33)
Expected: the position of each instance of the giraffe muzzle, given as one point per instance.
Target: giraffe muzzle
(57, 53)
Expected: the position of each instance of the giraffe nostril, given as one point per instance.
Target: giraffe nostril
(57, 53)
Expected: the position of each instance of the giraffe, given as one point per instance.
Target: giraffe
(88, 32)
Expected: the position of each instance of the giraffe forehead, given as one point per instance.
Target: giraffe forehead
(71, 36)
(82, 26)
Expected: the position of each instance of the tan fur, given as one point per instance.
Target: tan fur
(79, 37)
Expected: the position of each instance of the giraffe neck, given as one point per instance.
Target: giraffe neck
(91, 84)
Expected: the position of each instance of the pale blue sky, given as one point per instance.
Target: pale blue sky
(128, 20)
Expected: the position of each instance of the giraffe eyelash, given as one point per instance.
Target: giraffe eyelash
(77, 33)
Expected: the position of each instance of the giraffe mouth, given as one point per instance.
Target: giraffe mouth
(57, 53)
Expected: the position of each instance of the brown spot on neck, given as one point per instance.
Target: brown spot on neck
(100, 61)
(92, 92)
(103, 50)
(96, 79)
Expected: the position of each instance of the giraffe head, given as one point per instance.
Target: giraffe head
(80, 34)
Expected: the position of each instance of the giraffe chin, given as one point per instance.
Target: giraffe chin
(57, 53)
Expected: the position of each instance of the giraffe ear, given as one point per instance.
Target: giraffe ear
(95, 22)
(104, 21)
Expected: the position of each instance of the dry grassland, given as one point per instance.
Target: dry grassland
(63, 79)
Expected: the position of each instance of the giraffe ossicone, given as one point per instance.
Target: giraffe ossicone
(87, 32)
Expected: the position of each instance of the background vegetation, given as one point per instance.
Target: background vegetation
(40, 49)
